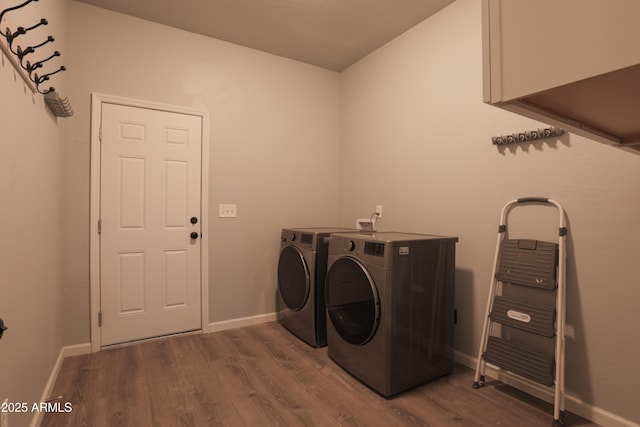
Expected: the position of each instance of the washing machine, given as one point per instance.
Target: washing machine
(390, 307)
(302, 267)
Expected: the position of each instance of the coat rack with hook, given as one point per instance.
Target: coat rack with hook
(527, 136)
(36, 70)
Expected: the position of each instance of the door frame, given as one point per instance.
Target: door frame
(97, 100)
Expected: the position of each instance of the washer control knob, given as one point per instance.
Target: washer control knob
(351, 245)
(293, 237)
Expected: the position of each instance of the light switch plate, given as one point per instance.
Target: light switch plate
(227, 211)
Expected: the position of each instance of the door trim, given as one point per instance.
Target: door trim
(97, 99)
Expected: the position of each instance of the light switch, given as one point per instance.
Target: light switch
(227, 211)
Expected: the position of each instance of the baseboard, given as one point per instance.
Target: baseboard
(76, 350)
(68, 351)
(242, 321)
(572, 404)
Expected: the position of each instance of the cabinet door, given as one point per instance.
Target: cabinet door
(531, 46)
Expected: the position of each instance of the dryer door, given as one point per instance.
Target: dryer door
(293, 278)
(352, 301)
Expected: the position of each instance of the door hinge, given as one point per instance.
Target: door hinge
(99, 226)
(99, 319)
(100, 134)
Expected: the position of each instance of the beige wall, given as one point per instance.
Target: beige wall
(30, 218)
(416, 138)
(274, 147)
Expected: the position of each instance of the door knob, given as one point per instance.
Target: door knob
(194, 235)
(194, 220)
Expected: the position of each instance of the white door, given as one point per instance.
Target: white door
(150, 206)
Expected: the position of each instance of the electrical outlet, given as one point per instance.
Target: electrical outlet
(379, 210)
(4, 414)
(227, 211)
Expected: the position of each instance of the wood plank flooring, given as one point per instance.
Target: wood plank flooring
(264, 376)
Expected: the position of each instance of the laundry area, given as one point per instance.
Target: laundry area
(388, 309)
(451, 209)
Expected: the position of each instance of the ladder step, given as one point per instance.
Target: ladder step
(530, 317)
(528, 263)
(520, 360)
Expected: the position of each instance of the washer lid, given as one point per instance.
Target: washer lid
(352, 301)
(293, 278)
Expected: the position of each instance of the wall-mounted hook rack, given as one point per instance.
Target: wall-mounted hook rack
(60, 108)
(527, 136)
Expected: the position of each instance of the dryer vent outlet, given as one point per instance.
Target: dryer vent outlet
(365, 224)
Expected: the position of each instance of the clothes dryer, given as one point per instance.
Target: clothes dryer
(302, 267)
(390, 305)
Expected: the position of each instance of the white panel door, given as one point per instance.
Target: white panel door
(150, 187)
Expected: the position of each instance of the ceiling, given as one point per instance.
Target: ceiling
(332, 34)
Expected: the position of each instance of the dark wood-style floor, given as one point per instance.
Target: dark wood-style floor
(264, 376)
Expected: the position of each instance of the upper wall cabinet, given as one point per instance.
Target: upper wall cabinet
(571, 63)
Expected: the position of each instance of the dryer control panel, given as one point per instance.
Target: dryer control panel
(373, 248)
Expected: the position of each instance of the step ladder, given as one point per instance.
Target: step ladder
(525, 312)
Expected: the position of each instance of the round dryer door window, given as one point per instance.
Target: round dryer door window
(352, 301)
(293, 278)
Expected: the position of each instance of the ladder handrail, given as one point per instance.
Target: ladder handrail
(562, 219)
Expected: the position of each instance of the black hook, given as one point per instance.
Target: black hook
(31, 67)
(21, 31)
(62, 68)
(38, 80)
(2, 327)
(42, 22)
(22, 53)
(6, 35)
(12, 36)
(51, 89)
